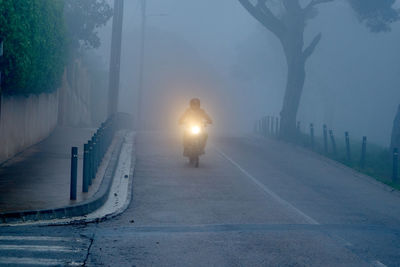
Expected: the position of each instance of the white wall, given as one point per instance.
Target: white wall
(25, 121)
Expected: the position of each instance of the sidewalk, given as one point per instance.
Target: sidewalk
(39, 177)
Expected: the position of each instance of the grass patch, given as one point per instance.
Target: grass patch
(378, 160)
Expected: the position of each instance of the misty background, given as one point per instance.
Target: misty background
(216, 51)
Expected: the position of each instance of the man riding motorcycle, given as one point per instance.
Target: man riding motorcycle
(196, 118)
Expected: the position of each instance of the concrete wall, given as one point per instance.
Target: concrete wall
(25, 121)
(75, 92)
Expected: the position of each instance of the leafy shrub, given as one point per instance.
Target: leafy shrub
(34, 45)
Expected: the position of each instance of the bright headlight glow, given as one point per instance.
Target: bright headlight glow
(195, 129)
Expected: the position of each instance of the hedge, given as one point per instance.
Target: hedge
(34, 45)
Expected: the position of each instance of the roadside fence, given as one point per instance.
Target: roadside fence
(93, 154)
(375, 161)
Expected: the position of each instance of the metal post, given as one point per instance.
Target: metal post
(268, 125)
(298, 132)
(325, 139)
(85, 175)
(272, 126)
(348, 152)
(94, 155)
(395, 165)
(312, 135)
(101, 144)
(1, 73)
(263, 129)
(96, 138)
(333, 142)
(74, 173)
(115, 57)
(90, 161)
(363, 152)
(141, 66)
(277, 126)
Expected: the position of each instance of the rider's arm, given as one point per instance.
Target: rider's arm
(183, 117)
(207, 117)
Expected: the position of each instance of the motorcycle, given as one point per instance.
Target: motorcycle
(194, 141)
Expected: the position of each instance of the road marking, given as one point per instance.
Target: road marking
(40, 248)
(38, 261)
(378, 264)
(267, 191)
(40, 238)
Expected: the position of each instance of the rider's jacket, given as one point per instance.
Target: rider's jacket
(195, 115)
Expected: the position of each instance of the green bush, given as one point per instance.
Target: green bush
(34, 45)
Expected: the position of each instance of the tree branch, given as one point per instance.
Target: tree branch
(265, 16)
(310, 49)
(292, 5)
(314, 3)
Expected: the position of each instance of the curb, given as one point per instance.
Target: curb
(117, 212)
(80, 209)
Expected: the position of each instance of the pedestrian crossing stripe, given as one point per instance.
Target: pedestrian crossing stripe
(37, 261)
(40, 248)
(41, 238)
(28, 250)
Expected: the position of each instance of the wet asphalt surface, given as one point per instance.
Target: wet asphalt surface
(252, 202)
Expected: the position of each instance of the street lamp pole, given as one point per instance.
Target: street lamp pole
(1, 78)
(115, 57)
(139, 122)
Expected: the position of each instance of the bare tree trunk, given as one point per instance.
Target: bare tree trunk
(289, 29)
(294, 88)
(395, 140)
(293, 45)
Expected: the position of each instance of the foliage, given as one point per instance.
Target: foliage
(34, 45)
(377, 14)
(378, 161)
(37, 34)
(82, 19)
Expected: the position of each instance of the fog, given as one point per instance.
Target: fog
(217, 51)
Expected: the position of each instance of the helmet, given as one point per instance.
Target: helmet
(195, 103)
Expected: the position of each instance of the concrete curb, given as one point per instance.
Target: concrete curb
(118, 212)
(79, 209)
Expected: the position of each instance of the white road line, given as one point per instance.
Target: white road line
(266, 190)
(378, 264)
(40, 238)
(38, 261)
(38, 248)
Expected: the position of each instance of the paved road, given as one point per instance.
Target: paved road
(252, 202)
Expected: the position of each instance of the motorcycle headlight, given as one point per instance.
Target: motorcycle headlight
(195, 129)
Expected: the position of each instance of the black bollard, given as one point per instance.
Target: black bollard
(325, 132)
(94, 156)
(312, 136)
(90, 162)
(298, 133)
(74, 173)
(264, 126)
(395, 165)
(272, 126)
(363, 152)
(277, 126)
(333, 142)
(85, 175)
(348, 152)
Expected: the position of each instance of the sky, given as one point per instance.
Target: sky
(215, 50)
